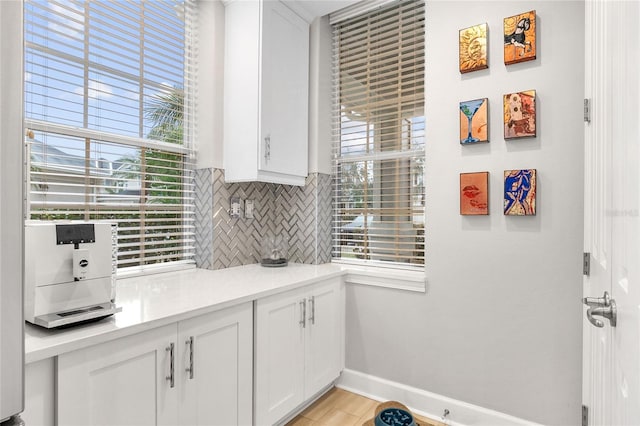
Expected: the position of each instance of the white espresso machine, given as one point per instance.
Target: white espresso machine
(70, 269)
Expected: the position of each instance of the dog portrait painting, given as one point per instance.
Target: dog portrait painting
(520, 38)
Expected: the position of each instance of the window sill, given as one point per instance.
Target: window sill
(397, 279)
(136, 271)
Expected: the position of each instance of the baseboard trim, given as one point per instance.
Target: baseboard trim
(425, 403)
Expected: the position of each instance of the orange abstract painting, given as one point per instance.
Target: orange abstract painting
(474, 193)
(519, 114)
(473, 48)
(520, 38)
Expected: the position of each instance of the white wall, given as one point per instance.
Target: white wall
(500, 325)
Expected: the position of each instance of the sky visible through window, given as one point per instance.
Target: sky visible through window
(97, 64)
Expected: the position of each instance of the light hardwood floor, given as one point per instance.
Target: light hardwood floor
(341, 408)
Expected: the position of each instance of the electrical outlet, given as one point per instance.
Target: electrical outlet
(248, 209)
(234, 211)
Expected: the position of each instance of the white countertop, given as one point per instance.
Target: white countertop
(155, 300)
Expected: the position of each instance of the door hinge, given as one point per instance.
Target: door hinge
(587, 110)
(586, 264)
(585, 415)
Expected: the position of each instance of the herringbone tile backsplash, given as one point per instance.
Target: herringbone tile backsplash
(300, 214)
(204, 224)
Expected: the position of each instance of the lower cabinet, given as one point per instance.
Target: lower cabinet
(39, 390)
(298, 347)
(217, 383)
(253, 363)
(195, 372)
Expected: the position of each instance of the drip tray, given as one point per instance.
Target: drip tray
(67, 318)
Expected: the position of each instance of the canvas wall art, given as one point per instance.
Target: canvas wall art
(472, 47)
(520, 114)
(520, 192)
(474, 124)
(520, 38)
(474, 193)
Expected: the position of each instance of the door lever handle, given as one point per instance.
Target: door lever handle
(597, 302)
(610, 312)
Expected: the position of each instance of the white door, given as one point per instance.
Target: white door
(611, 355)
(323, 340)
(216, 383)
(279, 355)
(123, 382)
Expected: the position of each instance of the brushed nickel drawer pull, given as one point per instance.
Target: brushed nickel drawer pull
(189, 369)
(171, 377)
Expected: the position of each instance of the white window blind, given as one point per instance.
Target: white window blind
(109, 100)
(379, 136)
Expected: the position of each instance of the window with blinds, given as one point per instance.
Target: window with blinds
(378, 135)
(109, 99)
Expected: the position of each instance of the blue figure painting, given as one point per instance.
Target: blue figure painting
(520, 192)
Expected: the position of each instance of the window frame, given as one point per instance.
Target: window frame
(184, 162)
(406, 275)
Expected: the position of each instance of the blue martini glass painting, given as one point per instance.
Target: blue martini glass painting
(473, 121)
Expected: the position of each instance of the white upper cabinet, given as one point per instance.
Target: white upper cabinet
(266, 90)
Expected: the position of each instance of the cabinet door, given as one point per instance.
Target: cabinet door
(216, 382)
(324, 339)
(241, 90)
(122, 382)
(279, 370)
(39, 389)
(284, 91)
